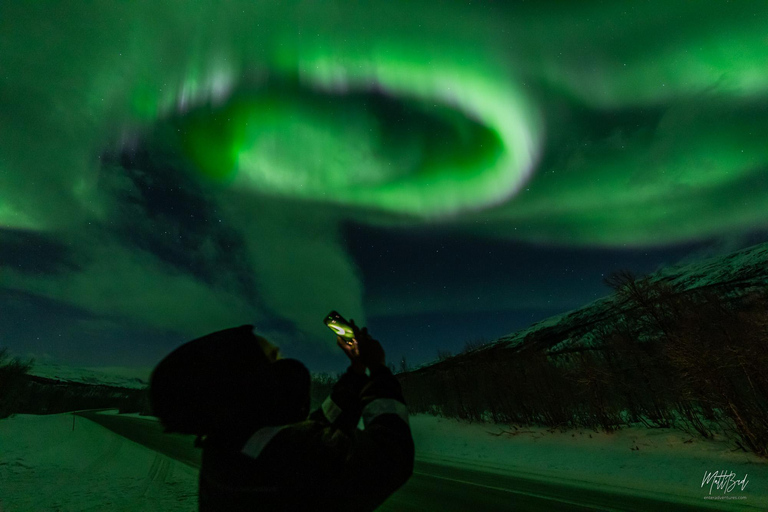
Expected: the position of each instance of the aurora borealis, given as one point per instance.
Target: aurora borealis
(438, 171)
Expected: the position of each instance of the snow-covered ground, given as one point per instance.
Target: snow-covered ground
(45, 465)
(637, 460)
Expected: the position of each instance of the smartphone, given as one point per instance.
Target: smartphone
(340, 326)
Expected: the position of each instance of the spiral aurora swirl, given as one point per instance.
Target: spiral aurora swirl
(389, 135)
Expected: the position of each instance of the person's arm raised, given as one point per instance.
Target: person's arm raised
(342, 407)
(380, 458)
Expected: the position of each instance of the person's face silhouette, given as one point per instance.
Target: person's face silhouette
(271, 351)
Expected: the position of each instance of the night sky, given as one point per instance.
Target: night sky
(441, 172)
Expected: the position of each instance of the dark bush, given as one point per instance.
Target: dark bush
(694, 360)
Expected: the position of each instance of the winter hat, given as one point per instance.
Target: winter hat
(223, 381)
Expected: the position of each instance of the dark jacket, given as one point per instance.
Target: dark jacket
(324, 463)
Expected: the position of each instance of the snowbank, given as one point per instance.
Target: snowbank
(45, 465)
(116, 412)
(637, 460)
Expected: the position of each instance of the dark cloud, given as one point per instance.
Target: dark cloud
(161, 210)
(32, 325)
(30, 252)
(426, 271)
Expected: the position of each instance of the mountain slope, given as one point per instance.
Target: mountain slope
(732, 274)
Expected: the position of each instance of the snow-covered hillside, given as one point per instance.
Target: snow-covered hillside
(748, 267)
(741, 270)
(132, 378)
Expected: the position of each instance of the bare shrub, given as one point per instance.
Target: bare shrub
(694, 360)
(12, 382)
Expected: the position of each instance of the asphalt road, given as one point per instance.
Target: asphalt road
(432, 487)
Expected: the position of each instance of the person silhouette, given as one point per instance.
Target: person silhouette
(268, 453)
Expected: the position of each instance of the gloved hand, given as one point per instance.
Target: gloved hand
(363, 351)
(351, 348)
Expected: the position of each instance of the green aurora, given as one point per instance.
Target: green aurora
(571, 124)
(705, 70)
